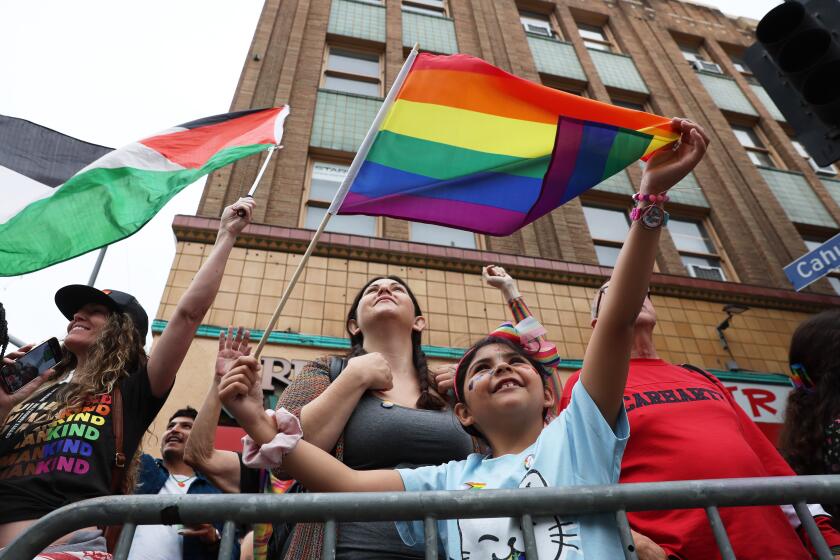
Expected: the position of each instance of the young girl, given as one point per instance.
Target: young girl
(503, 395)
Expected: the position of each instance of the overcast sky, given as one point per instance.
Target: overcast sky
(114, 72)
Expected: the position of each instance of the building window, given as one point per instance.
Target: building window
(538, 24)
(595, 37)
(352, 72)
(834, 277)
(740, 65)
(757, 152)
(427, 7)
(627, 104)
(699, 59)
(324, 180)
(829, 171)
(609, 229)
(698, 253)
(439, 235)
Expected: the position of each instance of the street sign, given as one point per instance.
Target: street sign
(814, 265)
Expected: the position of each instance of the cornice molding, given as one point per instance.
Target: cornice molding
(403, 253)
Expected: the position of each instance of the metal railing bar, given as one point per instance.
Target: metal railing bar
(400, 506)
(626, 536)
(719, 531)
(328, 548)
(431, 537)
(124, 541)
(817, 540)
(530, 541)
(226, 545)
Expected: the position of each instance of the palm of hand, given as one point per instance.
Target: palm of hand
(224, 360)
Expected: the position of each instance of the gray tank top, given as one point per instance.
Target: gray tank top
(379, 436)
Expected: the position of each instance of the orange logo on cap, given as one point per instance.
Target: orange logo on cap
(106, 292)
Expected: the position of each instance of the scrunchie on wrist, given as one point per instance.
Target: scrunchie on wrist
(270, 455)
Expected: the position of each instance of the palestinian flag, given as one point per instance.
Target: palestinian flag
(80, 196)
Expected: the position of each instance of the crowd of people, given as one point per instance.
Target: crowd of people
(381, 419)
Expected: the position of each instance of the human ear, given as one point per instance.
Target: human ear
(419, 323)
(353, 327)
(548, 396)
(463, 414)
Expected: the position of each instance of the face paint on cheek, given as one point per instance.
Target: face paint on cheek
(475, 379)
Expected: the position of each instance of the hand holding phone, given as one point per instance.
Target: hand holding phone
(14, 375)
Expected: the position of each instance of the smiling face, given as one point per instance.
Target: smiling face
(85, 327)
(385, 299)
(175, 437)
(500, 384)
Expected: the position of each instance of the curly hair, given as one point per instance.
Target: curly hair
(116, 352)
(427, 399)
(816, 345)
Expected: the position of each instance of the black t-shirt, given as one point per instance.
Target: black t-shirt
(249, 479)
(49, 459)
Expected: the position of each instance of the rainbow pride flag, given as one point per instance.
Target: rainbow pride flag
(469, 146)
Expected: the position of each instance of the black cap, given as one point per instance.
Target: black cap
(70, 299)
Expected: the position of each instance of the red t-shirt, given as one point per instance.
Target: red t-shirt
(685, 426)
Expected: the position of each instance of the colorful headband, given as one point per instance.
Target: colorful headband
(800, 378)
(526, 335)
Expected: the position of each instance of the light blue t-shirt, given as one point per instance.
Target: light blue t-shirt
(577, 448)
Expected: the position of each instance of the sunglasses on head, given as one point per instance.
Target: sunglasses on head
(601, 291)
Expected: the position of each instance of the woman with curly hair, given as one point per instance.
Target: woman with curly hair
(810, 439)
(69, 435)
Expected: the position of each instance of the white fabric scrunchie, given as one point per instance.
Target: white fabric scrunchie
(270, 455)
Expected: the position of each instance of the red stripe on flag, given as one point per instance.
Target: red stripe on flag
(193, 148)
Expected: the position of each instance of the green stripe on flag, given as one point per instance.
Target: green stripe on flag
(96, 208)
(443, 161)
(628, 146)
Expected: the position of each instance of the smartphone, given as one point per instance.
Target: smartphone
(29, 366)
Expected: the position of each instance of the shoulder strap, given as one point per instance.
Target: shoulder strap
(118, 468)
(337, 365)
(701, 371)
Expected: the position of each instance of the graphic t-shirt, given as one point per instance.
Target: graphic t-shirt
(50, 458)
(687, 427)
(578, 447)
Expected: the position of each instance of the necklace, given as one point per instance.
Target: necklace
(181, 483)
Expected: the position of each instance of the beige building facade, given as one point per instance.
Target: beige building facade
(753, 205)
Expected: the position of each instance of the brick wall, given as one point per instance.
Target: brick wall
(755, 235)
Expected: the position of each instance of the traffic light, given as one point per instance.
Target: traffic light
(797, 60)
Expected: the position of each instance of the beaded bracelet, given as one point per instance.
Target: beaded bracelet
(652, 198)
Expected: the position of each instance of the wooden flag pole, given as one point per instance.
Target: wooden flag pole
(361, 154)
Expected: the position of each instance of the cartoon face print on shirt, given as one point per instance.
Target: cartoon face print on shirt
(500, 538)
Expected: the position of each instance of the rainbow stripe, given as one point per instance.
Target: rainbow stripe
(470, 146)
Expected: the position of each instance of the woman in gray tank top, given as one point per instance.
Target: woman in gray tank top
(378, 413)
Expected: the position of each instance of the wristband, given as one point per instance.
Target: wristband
(270, 455)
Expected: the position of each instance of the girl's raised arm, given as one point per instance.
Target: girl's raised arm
(317, 470)
(604, 372)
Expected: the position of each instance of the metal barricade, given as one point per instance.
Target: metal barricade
(525, 504)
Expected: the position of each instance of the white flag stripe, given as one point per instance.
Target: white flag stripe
(135, 155)
(17, 192)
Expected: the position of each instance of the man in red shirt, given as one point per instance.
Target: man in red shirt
(684, 426)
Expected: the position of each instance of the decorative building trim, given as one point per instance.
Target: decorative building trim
(196, 229)
(335, 343)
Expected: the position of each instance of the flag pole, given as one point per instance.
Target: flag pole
(361, 154)
(253, 189)
(95, 272)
